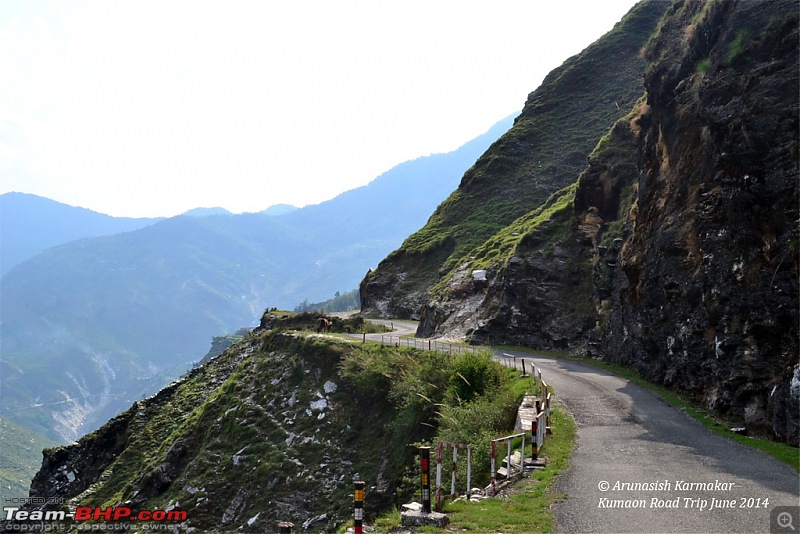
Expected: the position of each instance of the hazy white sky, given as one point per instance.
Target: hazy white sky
(153, 107)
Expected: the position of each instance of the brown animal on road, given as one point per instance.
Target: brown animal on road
(323, 325)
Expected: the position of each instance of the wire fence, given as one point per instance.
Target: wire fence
(425, 344)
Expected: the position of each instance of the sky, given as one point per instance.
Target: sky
(153, 107)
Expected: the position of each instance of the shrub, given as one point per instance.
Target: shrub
(473, 375)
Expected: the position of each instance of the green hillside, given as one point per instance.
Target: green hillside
(279, 425)
(670, 245)
(545, 151)
(20, 459)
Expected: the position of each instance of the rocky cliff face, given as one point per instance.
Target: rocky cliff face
(677, 251)
(705, 298)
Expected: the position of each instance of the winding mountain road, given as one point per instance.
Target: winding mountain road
(400, 327)
(641, 465)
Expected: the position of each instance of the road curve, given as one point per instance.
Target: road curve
(627, 435)
(400, 327)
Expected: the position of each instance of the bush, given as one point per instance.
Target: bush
(479, 422)
(473, 375)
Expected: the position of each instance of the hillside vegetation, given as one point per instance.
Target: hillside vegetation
(672, 248)
(22, 456)
(279, 425)
(544, 152)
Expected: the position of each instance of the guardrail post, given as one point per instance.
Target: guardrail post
(547, 412)
(523, 366)
(425, 465)
(494, 455)
(509, 470)
(358, 508)
(469, 469)
(453, 476)
(439, 458)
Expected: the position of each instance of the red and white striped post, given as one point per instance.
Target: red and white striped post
(439, 459)
(455, 469)
(494, 483)
(358, 508)
(285, 527)
(547, 411)
(534, 431)
(425, 465)
(440, 462)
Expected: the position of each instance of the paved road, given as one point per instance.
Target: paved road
(401, 328)
(690, 480)
(628, 435)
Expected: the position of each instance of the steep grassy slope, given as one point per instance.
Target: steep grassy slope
(21, 458)
(277, 428)
(549, 273)
(544, 152)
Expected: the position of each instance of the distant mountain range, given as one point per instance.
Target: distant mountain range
(30, 224)
(89, 326)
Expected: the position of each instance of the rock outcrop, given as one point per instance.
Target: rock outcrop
(542, 153)
(705, 298)
(267, 431)
(676, 251)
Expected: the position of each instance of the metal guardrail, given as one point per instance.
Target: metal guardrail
(540, 423)
(509, 470)
(440, 462)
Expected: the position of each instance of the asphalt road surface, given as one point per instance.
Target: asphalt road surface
(641, 465)
(401, 328)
